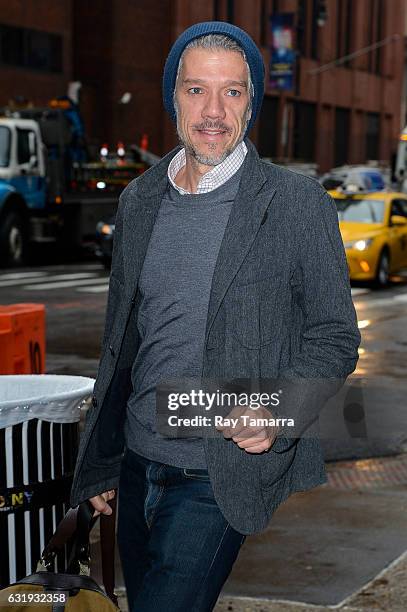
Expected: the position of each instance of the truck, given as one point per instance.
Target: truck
(51, 189)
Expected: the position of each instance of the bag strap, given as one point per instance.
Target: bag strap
(81, 554)
(64, 531)
(79, 561)
(62, 582)
(77, 523)
(107, 544)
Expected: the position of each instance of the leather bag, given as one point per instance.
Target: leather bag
(74, 590)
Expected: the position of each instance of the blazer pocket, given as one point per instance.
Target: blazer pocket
(251, 308)
(274, 467)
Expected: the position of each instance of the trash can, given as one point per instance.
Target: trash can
(39, 435)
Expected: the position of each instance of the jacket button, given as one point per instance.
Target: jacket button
(111, 349)
(94, 402)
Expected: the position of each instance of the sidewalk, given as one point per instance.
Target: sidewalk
(341, 546)
(387, 592)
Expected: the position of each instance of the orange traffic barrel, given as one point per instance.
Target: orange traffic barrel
(22, 339)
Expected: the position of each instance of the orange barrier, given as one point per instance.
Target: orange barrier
(22, 339)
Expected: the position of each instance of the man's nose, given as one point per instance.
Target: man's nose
(214, 107)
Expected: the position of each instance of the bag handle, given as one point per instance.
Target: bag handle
(64, 531)
(79, 561)
(77, 523)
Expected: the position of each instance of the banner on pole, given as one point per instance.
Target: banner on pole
(282, 53)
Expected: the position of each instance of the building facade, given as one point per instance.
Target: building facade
(35, 49)
(344, 106)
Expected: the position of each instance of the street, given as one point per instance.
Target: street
(75, 297)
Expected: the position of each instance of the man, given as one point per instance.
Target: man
(227, 267)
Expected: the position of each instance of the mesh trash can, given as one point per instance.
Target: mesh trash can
(39, 435)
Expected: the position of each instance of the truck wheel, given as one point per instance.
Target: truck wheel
(382, 271)
(12, 240)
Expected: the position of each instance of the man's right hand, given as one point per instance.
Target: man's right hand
(99, 502)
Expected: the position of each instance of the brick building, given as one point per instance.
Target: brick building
(346, 112)
(35, 49)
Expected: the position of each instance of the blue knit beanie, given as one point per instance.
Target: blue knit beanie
(253, 56)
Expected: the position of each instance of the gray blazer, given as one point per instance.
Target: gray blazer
(280, 306)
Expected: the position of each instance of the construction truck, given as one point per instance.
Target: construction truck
(51, 190)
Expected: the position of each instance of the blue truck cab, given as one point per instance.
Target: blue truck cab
(51, 191)
(22, 184)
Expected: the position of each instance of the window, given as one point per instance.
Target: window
(268, 127)
(44, 51)
(360, 210)
(216, 10)
(399, 207)
(23, 147)
(264, 23)
(342, 127)
(230, 11)
(316, 5)
(375, 33)
(4, 146)
(372, 135)
(30, 49)
(12, 45)
(26, 145)
(309, 13)
(380, 16)
(344, 28)
(302, 28)
(304, 131)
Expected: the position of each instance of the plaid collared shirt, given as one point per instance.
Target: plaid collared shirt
(215, 177)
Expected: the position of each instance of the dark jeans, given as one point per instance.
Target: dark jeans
(176, 548)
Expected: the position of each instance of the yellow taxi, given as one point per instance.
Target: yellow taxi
(373, 226)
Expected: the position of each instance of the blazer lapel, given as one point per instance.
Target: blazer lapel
(246, 216)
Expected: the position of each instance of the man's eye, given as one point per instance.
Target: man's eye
(195, 90)
(235, 93)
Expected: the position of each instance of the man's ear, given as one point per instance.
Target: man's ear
(249, 115)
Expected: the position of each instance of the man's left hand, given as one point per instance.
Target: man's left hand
(252, 438)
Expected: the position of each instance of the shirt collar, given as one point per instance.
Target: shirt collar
(215, 177)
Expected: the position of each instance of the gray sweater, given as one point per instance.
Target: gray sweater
(175, 284)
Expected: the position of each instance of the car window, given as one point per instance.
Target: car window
(399, 207)
(4, 146)
(26, 145)
(359, 210)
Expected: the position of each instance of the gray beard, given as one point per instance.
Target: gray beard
(207, 160)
